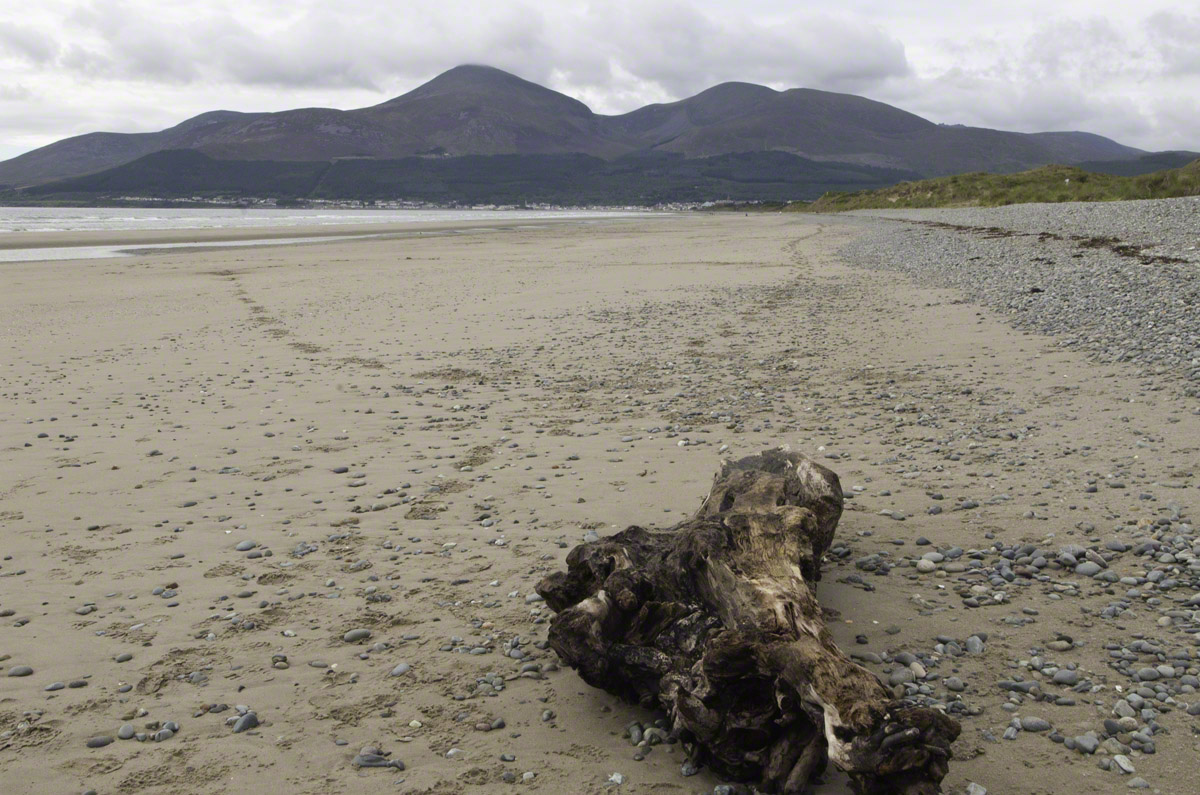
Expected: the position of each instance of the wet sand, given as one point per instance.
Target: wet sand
(145, 239)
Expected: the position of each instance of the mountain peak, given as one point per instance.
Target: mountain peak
(476, 70)
(472, 82)
(470, 74)
(737, 90)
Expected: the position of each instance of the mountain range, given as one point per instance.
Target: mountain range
(482, 111)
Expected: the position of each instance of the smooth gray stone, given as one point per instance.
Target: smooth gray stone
(245, 723)
(1031, 724)
(1065, 676)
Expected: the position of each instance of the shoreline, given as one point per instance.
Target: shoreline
(147, 238)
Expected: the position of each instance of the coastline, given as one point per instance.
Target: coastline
(147, 239)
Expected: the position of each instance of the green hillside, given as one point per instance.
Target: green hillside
(1046, 184)
(1146, 164)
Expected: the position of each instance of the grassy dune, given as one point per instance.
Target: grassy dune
(1046, 184)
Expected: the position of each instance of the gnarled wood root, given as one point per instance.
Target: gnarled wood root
(714, 622)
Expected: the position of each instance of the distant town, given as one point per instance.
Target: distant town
(397, 204)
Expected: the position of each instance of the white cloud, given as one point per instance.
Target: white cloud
(14, 93)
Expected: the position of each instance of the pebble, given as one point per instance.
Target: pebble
(1031, 724)
(1101, 307)
(245, 723)
(1065, 676)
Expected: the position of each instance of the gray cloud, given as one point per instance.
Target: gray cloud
(1083, 50)
(24, 43)
(673, 46)
(682, 50)
(1088, 73)
(1176, 40)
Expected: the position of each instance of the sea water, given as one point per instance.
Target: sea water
(15, 220)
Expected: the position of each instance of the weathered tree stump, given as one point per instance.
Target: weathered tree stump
(715, 622)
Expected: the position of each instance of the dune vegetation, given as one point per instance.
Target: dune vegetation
(1047, 184)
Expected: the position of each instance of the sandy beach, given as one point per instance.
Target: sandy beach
(218, 466)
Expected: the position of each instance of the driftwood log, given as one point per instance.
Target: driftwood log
(714, 621)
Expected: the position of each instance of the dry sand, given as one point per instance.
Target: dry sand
(435, 421)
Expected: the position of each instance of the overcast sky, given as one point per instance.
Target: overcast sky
(1127, 70)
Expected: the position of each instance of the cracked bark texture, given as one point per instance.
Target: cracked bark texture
(715, 622)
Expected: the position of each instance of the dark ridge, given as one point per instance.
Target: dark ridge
(570, 178)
